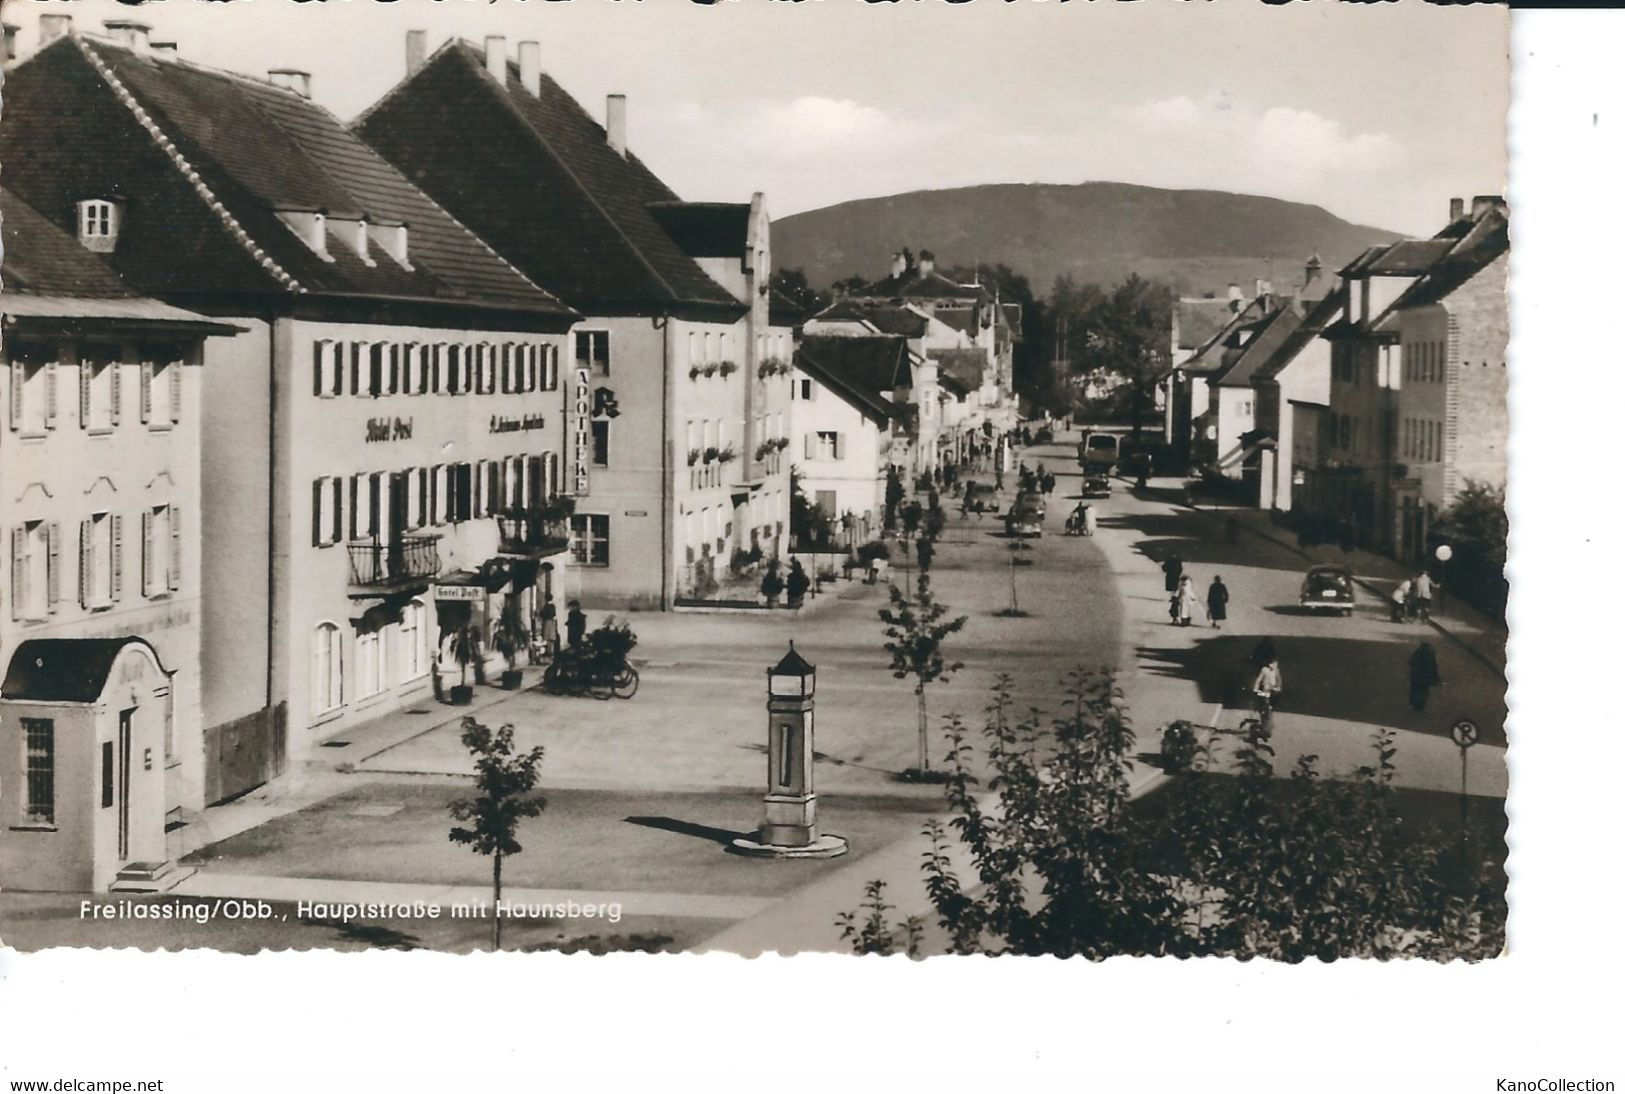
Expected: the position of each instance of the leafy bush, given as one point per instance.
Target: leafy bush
(1239, 864)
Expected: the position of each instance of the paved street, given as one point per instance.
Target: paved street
(645, 794)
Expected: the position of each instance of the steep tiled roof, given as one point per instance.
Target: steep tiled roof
(1217, 352)
(964, 367)
(864, 372)
(1321, 312)
(886, 318)
(536, 176)
(912, 284)
(1201, 319)
(247, 149)
(705, 229)
(43, 259)
(48, 275)
(1261, 346)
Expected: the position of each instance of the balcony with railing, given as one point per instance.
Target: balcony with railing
(393, 564)
(532, 533)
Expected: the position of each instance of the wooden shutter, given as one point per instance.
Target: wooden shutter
(493, 494)
(318, 364)
(840, 446)
(376, 503)
(337, 527)
(174, 548)
(146, 391)
(87, 560)
(811, 443)
(84, 393)
(355, 507)
(317, 528)
(53, 565)
(18, 377)
(147, 554)
(50, 394)
(115, 387)
(19, 569)
(116, 573)
(175, 374)
(538, 482)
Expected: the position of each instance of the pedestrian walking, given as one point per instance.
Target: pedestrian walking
(1187, 600)
(1422, 590)
(575, 625)
(1399, 604)
(1172, 570)
(1424, 674)
(550, 627)
(1218, 597)
(1266, 686)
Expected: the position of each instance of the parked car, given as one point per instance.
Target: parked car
(981, 498)
(1024, 520)
(1328, 587)
(1043, 436)
(1097, 486)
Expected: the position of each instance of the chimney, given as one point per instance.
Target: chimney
(1457, 207)
(496, 58)
(169, 49)
(530, 67)
(899, 264)
(54, 26)
(928, 262)
(615, 123)
(296, 80)
(130, 33)
(1234, 296)
(417, 50)
(1311, 269)
(9, 49)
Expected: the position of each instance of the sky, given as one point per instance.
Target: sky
(1379, 113)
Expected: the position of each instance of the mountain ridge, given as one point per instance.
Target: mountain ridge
(1198, 240)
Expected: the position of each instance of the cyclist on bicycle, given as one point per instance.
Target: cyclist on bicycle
(1266, 686)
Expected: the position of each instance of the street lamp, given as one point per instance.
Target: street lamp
(790, 825)
(1443, 552)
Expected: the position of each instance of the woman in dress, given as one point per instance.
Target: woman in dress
(1187, 600)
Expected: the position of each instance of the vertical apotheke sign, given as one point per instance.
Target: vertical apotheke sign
(583, 428)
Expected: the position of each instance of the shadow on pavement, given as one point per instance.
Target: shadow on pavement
(1317, 681)
(688, 828)
(1166, 534)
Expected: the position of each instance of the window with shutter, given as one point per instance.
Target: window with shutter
(50, 394)
(493, 487)
(16, 393)
(148, 577)
(356, 498)
(116, 562)
(146, 392)
(464, 508)
(53, 565)
(115, 390)
(19, 572)
(84, 393)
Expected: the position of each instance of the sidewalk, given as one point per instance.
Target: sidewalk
(1378, 574)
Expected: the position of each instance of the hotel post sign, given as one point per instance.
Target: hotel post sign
(582, 436)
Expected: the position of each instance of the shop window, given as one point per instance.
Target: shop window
(590, 539)
(369, 665)
(413, 641)
(592, 350)
(326, 670)
(39, 771)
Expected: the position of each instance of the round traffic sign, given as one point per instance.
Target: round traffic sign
(1464, 733)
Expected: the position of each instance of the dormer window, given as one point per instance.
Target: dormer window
(310, 227)
(392, 238)
(98, 224)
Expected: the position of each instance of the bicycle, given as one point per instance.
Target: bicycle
(1262, 725)
(587, 672)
